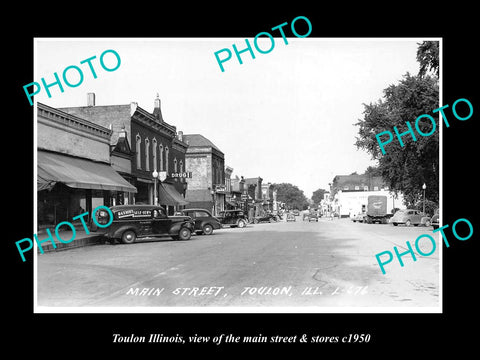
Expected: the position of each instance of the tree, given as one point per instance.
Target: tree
(406, 168)
(427, 56)
(291, 195)
(317, 196)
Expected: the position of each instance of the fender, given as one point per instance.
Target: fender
(175, 228)
(118, 232)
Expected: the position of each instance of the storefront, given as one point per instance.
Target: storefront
(68, 186)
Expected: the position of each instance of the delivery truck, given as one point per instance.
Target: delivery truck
(377, 209)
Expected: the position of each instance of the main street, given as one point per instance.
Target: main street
(301, 265)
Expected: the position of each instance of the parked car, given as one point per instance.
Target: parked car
(435, 221)
(265, 218)
(233, 218)
(360, 217)
(410, 217)
(205, 222)
(137, 221)
(312, 217)
(290, 217)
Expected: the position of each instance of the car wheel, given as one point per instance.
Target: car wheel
(207, 229)
(408, 223)
(184, 234)
(427, 223)
(241, 224)
(129, 237)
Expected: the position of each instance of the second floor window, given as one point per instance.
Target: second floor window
(138, 144)
(147, 154)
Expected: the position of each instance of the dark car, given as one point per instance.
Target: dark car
(312, 216)
(137, 221)
(205, 223)
(435, 220)
(233, 218)
(265, 218)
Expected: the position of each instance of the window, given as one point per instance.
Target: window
(161, 158)
(147, 154)
(154, 153)
(166, 159)
(181, 166)
(138, 146)
(175, 168)
(200, 214)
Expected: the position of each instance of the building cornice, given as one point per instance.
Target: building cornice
(62, 118)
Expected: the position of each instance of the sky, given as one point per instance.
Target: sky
(286, 116)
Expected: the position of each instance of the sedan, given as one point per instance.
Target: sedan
(410, 217)
(205, 223)
(265, 218)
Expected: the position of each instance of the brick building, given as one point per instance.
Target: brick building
(74, 171)
(206, 162)
(152, 144)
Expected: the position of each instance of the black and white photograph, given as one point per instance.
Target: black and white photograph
(295, 181)
(199, 175)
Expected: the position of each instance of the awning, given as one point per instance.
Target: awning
(78, 173)
(168, 195)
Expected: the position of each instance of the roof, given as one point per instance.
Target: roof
(197, 140)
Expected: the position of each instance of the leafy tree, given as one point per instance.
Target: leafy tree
(317, 196)
(406, 168)
(291, 195)
(427, 56)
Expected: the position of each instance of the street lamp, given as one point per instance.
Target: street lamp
(424, 187)
(155, 177)
(212, 192)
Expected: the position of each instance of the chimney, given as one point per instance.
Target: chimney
(157, 112)
(90, 99)
(180, 135)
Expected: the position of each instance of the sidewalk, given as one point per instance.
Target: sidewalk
(81, 239)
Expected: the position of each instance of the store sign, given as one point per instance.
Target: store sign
(187, 174)
(220, 188)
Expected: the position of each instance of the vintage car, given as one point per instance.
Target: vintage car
(265, 218)
(131, 222)
(205, 223)
(410, 217)
(360, 217)
(290, 217)
(312, 216)
(234, 218)
(435, 222)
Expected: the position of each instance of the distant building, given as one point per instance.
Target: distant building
(349, 194)
(356, 182)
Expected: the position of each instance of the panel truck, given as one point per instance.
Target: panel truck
(377, 209)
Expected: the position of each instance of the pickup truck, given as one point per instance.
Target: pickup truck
(136, 221)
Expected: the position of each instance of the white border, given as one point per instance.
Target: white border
(236, 309)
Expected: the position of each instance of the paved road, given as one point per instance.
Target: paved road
(303, 266)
